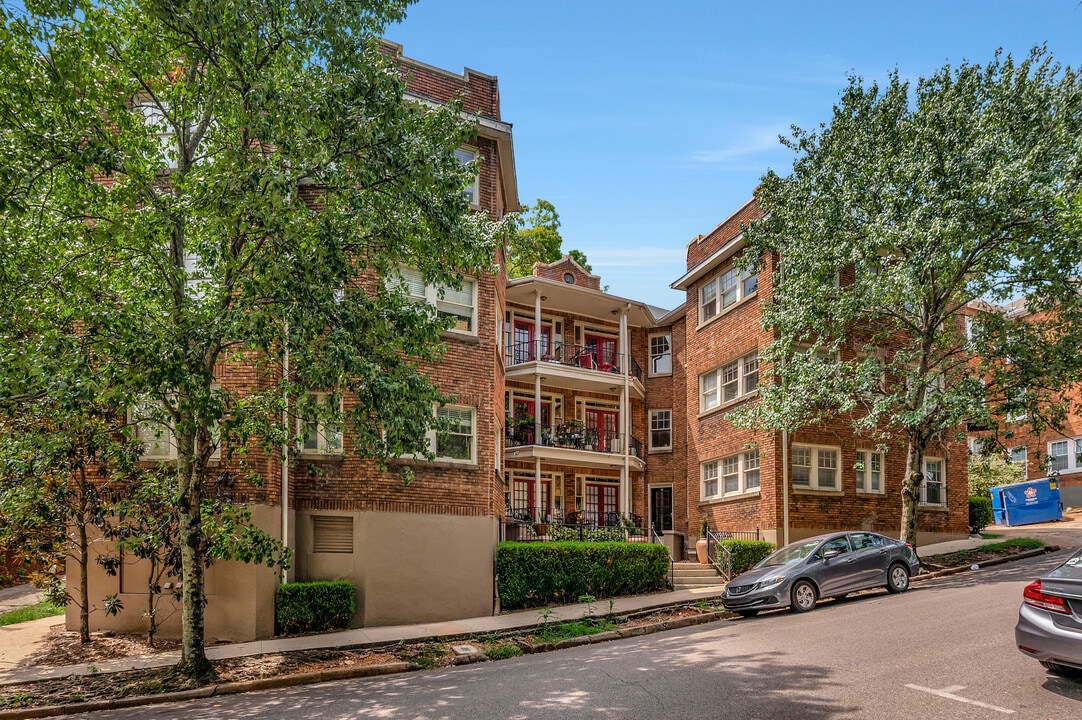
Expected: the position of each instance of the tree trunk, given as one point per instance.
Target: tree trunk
(193, 662)
(84, 592)
(914, 476)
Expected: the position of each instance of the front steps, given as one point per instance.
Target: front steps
(689, 575)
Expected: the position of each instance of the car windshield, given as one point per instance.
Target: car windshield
(789, 554)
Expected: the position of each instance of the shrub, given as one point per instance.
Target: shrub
(980, 512)
(538, 574)
(746, 553)
(314, 606)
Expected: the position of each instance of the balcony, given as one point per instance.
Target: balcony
(525, 524)
(572, 444)
(578, 367)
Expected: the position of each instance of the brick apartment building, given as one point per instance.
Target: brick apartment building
(573, 406)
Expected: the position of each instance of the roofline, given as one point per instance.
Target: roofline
(734, 213)
(579, 289)
(712, 261)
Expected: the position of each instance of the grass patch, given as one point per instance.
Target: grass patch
(503, 651)
(990, 536)
(1015, 544)
(31, 612)
(555, 632)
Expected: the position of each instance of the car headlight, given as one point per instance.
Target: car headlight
(768, 583)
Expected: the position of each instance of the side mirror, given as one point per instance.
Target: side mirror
(827, 554)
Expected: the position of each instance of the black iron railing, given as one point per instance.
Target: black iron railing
(572, 435)
(720, 556)
(589, 357)
(529, 523)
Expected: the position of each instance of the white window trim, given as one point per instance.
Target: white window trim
(743, 460)
(1024, 462)
(432, 439)
(433, 296)
(474, 189)
(867, 462)
(813, 479)
(924, 484)
(1068, 465)
(716, 306)
(650, 431)
(718, 376)
(650, 347)
(323, 428)
(165, 437)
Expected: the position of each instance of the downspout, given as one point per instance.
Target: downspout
(785, 487)
(285, 448)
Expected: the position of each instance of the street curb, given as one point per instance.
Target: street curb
(345, 673)
(997, 561)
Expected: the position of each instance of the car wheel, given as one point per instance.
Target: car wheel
(803, 597)
(1061, 670)
(897, 578)
(747, 613)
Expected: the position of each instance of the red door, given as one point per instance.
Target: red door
(522, 409)
(602, 503)
(526, 350)
(523, 500)
(601, 428)
(602, 351)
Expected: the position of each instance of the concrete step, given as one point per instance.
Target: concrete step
(687, 575)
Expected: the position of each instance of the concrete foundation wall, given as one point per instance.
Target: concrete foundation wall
(408, 567)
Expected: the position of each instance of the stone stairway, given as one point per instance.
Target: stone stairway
(689, 575)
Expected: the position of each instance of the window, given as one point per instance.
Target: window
(660, 354)
(933, 491)
(155, 436)
(710, 479)
(869, 471)
(318, 434)
(739, 474)
(1018, 457)
(472, 191)
(736, 379)
(726, 290)
(815, 468)
(661, 429)
(460, 305)
(457, 442)
(1057, 456)
(155, 119)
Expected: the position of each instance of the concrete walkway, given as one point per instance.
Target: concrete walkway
(22, 640)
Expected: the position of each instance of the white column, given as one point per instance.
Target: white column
(625, 414)
(536, 355)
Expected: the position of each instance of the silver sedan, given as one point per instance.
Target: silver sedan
(832, 565)
(1050, 619)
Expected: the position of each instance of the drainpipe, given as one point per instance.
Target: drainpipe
(285, 449)
(785, 487)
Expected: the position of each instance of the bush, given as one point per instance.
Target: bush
(746, 553)
(538, 574)
(314, 606)
(980, 512)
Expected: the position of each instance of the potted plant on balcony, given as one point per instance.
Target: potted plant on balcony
(541, 524)
(702, 544)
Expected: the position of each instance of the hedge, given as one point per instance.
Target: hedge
(556, 573)
(746, 553)
(314, 606)
(980, 512)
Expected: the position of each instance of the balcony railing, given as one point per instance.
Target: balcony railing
(572, 436)
(589, 357)
(584, 525)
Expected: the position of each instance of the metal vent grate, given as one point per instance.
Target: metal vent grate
(332, 534)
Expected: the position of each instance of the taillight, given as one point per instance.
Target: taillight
(1033, 595)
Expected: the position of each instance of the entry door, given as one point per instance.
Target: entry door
(601, 499)
(522, 497)
(601, 428)
(526, 350)
(602, 351)
(661, 509)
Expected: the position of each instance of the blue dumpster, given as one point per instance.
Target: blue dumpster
(1026, 503)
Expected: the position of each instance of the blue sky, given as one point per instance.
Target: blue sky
(646, 124)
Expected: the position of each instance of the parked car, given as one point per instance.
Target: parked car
(1050, 619)
(831, 565)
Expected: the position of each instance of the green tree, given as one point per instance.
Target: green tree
(989, 471)
(188, 184)
(909, 205)
(580, 257)
(536, 239)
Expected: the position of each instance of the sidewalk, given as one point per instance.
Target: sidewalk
(19, 641)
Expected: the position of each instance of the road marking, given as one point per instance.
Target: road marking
(948, 693)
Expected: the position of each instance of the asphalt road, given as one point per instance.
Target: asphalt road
(945, 649)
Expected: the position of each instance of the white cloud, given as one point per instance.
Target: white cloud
(752, 141)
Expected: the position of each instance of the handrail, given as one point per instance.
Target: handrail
(655, 538)
(718, 555)
(587, 357)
